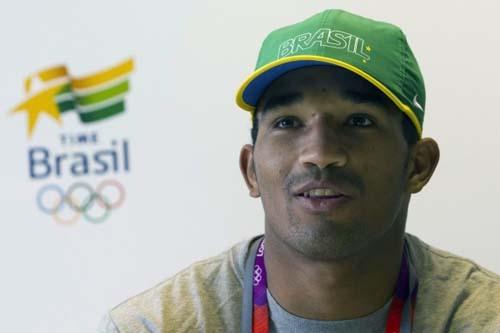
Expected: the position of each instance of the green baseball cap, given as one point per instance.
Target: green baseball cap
(376, 51)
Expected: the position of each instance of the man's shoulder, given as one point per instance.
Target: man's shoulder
(431, 262)
(455, 293)
(207, 287)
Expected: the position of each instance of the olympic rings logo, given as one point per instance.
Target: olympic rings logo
(260, 251)
(94, 205)
(257, 275)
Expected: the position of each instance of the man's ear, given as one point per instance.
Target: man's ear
(247, 168)
(423, 161)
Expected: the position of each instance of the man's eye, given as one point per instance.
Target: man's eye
(360, 121)
(286, 122)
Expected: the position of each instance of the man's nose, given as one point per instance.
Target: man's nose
(322, 146)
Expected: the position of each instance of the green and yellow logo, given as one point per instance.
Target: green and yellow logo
(93, 97)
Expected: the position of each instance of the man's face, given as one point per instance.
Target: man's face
(325, 127)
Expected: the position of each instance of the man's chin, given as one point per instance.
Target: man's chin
(327, 240)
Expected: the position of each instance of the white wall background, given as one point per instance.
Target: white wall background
(186, 198)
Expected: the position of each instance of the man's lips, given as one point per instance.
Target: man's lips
(329, 188)
(318, 197)
(317, 205)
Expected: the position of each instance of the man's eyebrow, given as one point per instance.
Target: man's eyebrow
(276, 101)
(359, 97)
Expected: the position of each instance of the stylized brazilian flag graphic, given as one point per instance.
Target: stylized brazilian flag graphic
(93, 97)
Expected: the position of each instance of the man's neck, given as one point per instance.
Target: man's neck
(335, 290)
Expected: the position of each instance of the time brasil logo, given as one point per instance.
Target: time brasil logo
(81, 155)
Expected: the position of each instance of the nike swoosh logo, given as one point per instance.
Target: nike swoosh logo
(417, 104)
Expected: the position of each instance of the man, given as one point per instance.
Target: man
(337, 104)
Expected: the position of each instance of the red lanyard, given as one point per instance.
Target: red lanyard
(401, 312)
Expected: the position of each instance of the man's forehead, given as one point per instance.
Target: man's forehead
(292, 87)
